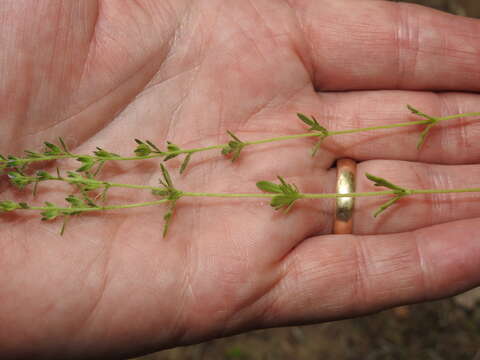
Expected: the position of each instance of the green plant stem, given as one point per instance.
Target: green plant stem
(100, 208)
(246, 143)
(86, 181)
(397, 125)
(251, 195)
(333, 195)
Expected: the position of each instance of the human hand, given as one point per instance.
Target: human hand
(102, 73)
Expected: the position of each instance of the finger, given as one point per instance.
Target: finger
(416, 211)
(454, 141)
(340, 276)
(386, 45)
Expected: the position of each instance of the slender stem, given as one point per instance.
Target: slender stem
(253, 195)
(333, 195)
(221, 146)
(99, 208)
(445, 191)
(282, 138)
(409, 123)
(87, 181)
(456, 116)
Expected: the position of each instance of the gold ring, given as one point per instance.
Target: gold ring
(346, 172)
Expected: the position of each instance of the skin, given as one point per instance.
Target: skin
(100, 73)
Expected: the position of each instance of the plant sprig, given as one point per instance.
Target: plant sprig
(287, 193)
(92, 164)
(282, 196)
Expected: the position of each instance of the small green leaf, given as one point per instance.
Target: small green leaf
(185, 162)
(74, 201)
(64, 147)
(64, 224)
(316, 147)
(52, 149)
(288, 189)
(103, 195)
(234, 147)
(99, 168)
(74, 177)
(153, 146)
(87, 163)
(167, 218)
(142, 149)
(166, 176)
(283, 201)
(387, 205)
(8, 205)
(146, 148)
(423, 135)
(33, 154)
(50, 213)
(102, 153)
(378, 181)
(23, 205)
(234, 137)
(305, 119)
(172, 148)
(84, 183)
(42, 175)
(269, 187)
(419, 113)
(433, 121)
(313, 123)
(15, 162)
(169, 157)
(289, 193)
(18, 179)
(160, 192)
(87, 199)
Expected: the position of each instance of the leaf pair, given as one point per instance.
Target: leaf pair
(145, 148)
(234, 147)
(174, 152)
(50, 150)
(87, 162)
(398, 191)
(15, 162)
(18, 179)
(315, 127)
(8, 205)
(86, 183)
(169, 193)
(287, 193)
(102, 153)
(432, 122)
(168, 190)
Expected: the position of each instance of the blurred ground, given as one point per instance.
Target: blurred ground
(443, 330)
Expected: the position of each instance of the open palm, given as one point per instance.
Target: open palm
(101, 73)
